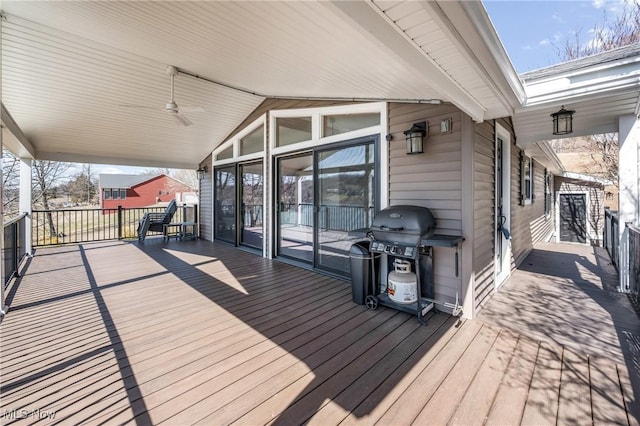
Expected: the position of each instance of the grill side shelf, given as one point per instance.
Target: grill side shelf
(441, 240)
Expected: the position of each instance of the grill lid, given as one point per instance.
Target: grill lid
(402, 223)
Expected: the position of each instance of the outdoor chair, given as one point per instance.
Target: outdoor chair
(156, 221)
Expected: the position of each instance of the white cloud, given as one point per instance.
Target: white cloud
(598, 4)
(544, 42)
(557, 18)
(110, 171)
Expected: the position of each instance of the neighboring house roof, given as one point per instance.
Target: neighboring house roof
(122, 181)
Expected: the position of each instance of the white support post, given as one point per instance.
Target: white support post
(3, 308)
(629, 196)
(299, 209)
(25, 201)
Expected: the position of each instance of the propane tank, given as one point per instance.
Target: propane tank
(402, 286)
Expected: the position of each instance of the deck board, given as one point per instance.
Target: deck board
(200, 333)
(574, 404)
(512, 394)
(476, 402)
(542, 403)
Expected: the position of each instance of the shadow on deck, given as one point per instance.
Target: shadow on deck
(194, 332)
(567, 294)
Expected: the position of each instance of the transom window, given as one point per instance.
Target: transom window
(253, 142)
(247, 144)
(343, 123)
(290, 130)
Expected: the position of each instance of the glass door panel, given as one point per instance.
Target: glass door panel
(252, 199)
(225, 202)
(346, 201)
(295, 207)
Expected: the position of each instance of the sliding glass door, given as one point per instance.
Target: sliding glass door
(239, 200)
(294, 206)
(345, 201)
(225, 204)
(252, 201)
(321, 196)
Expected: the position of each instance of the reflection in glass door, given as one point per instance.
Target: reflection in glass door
(225, 202)
(252, 199)
(346, 201)
(294, 204)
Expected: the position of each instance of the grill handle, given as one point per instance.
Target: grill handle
(382, 228)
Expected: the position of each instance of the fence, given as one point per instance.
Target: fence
(611, 236)
(51, 227)
(330, 217)
(14, 247)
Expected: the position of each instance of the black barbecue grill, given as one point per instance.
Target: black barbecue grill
(407, 233)
(399, 230)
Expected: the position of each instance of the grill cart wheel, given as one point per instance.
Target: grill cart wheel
(371, 302)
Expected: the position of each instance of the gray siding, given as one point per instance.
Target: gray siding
(529, 225)
(206, 202)
(484, 212)
(432, 179)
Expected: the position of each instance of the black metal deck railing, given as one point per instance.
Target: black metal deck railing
(611, 236)
(14, 249)
(51, 227)
(634, 260)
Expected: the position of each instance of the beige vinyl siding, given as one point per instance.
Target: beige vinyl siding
(484, 212)
(432, 179)
(529, 225)
(206, 202)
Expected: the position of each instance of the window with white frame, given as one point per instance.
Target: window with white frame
(107, 194)
(547, 193)
(526, 179)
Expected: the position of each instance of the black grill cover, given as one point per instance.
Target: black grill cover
(403, 224)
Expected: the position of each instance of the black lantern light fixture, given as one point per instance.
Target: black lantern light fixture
(201, 172)
(562, 122)
(415, 137)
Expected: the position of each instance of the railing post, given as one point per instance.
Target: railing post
(16, 261)
(119, 222)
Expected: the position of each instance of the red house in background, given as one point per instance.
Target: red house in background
(142, 191)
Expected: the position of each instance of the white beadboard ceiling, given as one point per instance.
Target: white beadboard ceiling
(68, 66)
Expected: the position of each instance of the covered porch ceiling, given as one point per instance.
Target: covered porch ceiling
(87, 81)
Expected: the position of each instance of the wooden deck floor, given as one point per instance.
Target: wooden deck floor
(194, 333)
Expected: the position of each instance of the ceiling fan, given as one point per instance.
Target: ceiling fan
(172, 107)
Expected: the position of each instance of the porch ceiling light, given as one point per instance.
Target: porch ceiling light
(201, 172)
(562, 122)
(415, 137)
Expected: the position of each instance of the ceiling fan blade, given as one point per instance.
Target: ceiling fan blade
(182, 119)
(191, 109)
(138, 106)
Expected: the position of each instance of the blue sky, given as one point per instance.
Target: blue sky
(528, 29)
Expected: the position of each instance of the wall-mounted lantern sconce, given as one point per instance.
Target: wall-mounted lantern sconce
(201, 172)
(415, 137)
(562, 122)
